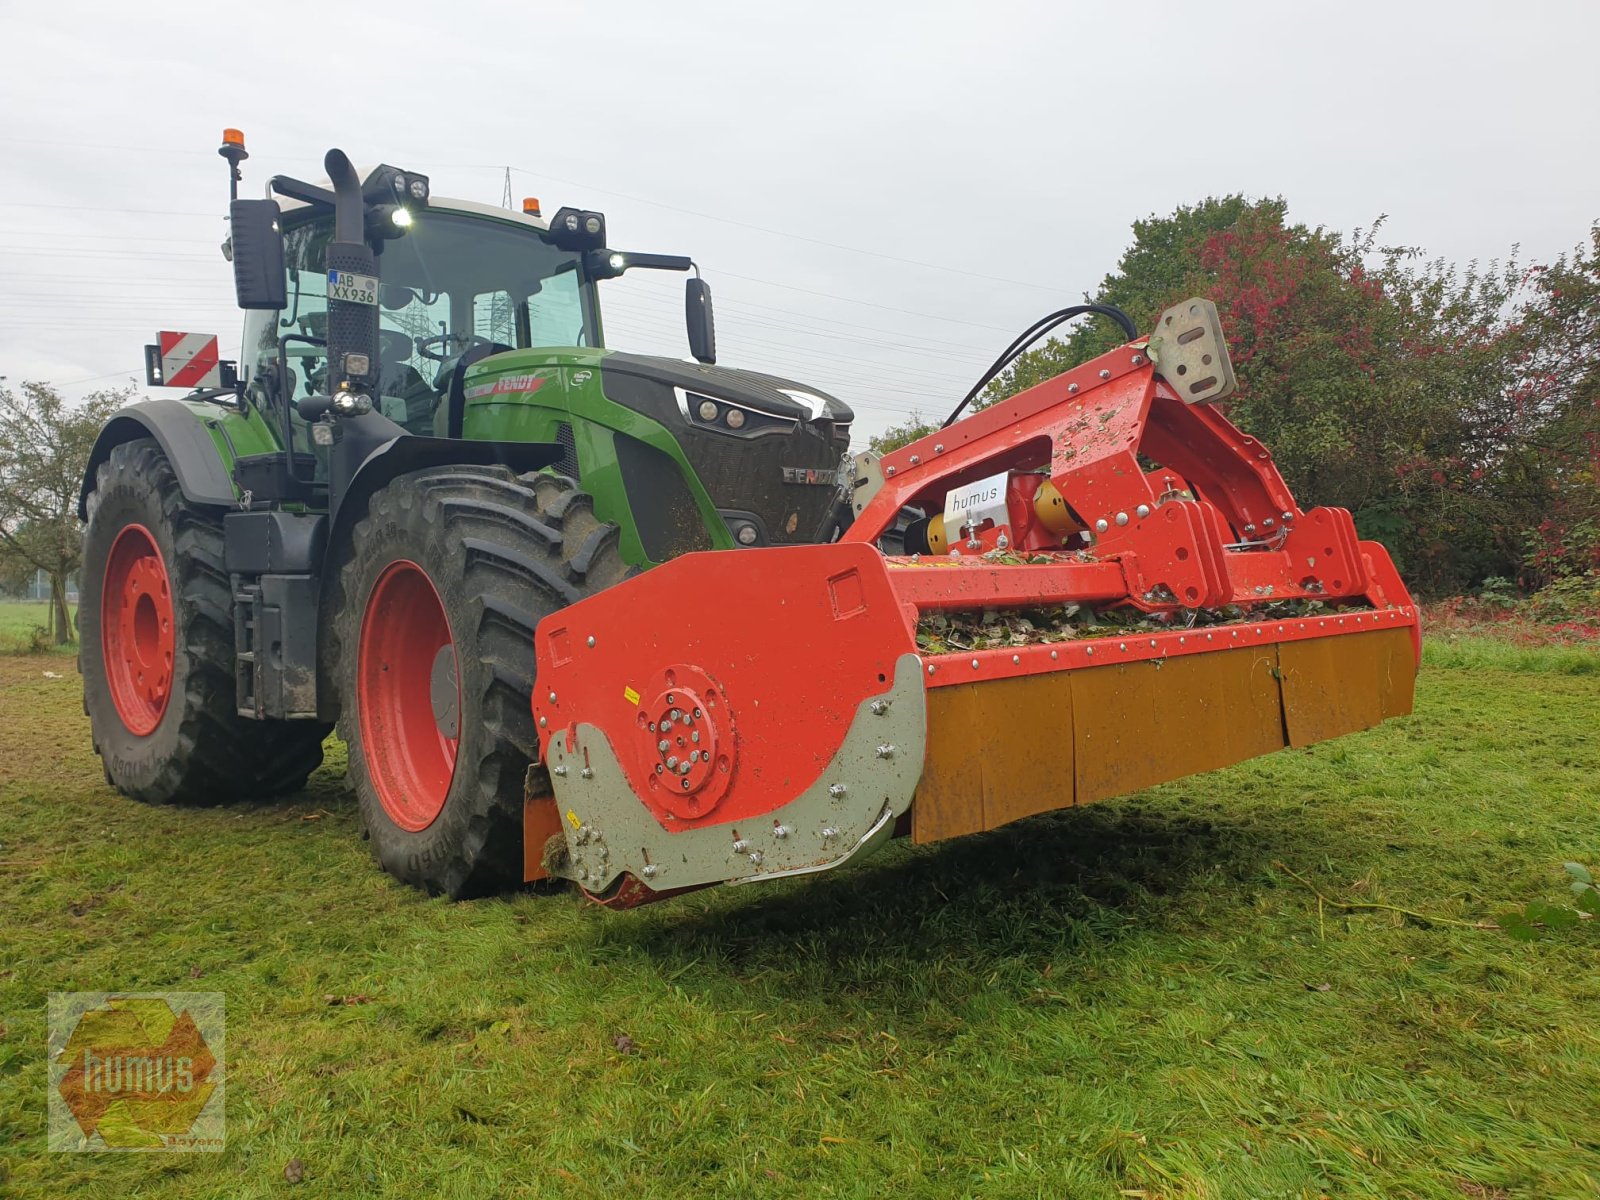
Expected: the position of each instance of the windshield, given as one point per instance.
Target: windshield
(452, 282)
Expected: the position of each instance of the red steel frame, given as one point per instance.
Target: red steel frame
(798, 637)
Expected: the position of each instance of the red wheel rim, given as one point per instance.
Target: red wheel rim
(408, 696)
(137, 639)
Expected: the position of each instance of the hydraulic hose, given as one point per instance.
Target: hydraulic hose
(1035, 331)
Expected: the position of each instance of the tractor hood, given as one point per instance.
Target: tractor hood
(767, 450)
(768, 394)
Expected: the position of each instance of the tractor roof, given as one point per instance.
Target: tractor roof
(447, 203)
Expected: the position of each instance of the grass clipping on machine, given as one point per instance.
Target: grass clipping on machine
(993, 629)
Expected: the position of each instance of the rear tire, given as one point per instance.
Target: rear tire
(155, 648)
(446, 576)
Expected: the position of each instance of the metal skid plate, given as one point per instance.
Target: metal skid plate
(847, 810)
(1191, 353)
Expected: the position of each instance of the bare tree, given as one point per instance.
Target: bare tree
(44, 448)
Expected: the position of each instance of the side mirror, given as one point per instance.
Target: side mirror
(697, 315)
(257, 238)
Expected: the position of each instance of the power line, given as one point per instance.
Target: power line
(799, 237)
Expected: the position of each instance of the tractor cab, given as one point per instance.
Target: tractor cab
(464, 278)
(369, 302)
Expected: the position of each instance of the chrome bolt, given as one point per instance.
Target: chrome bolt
(1015, 659)
(586, 773)
(672, 762)
(1088, 649)
(663, 745)
(1287, 517)
(836, 790)
(780, 831)
(552, 697)
(1102, 525)
(591, 641)
(879, 707)
(1002, 542)
(683, 768)
(649, 870)
(1104, 373)
(695, 736)
(559, 772)
(1250, 528)
(603, 853)
(1268, 523)
(694, 756)
(1071, 388)
(830, 833)
(932, 668)
(740, 846)
(915, 459)
(673, 715)
(888, 471)
(1122, 518)
(755, 858)
(1142, 511)
(886, 751)
(974, 664)
(1053, 656)
(543, 721)
(1138, 360)
(582, 835)
(938, 448)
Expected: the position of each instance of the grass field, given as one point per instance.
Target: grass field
(19, 619)
(1130, 1000)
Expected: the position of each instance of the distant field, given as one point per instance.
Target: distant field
(1132, 1000)
(18, 621)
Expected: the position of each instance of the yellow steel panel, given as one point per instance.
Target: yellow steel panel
(949, 799)
(1337, 685)
(997, 752)
(1143, 723)
(1006, 749)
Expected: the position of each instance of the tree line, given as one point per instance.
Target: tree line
(1455, 411)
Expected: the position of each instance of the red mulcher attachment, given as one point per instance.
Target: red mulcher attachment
(744, 715)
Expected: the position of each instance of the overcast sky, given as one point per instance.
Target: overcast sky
(880, 195)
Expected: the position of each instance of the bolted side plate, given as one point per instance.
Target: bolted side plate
(848, 810)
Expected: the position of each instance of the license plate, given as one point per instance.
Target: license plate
(352, 288)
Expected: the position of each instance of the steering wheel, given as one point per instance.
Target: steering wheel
(450, 345)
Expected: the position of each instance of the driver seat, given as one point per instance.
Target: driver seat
(399, 379)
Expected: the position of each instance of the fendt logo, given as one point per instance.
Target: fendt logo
(136, 1072)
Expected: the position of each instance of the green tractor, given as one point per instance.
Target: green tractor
(425, 448)
(642, 624)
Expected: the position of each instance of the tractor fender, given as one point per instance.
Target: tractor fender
(387, 461)
(202, 472)
(414, 452)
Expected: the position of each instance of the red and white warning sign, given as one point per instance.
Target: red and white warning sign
(189, 360)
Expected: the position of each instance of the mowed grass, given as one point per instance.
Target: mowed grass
(1129, 1000)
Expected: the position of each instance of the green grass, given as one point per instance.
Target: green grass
(1127, 1000)
(19, 619)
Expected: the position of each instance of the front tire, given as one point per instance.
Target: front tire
(155, 648)
(447, 575)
